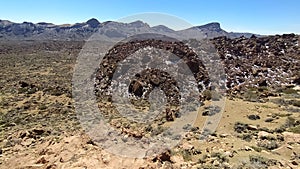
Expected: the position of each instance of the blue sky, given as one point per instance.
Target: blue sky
(256, 16)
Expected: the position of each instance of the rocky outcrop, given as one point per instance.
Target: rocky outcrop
(146, 80)
(94, 23)
(270, 61)
(249, 63)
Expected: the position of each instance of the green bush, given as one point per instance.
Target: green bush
(240, 127)
(290, 122)
(269, 145)
(289, 91)
(187, 156)
(247, 137)
(251, 96)
(221, 157)
(207, 94)
(295, 129)
(261, 162)
(258, 159)
(257, 149)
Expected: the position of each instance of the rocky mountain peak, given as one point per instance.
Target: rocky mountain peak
(94, 23)
(214, 26)
(5, 22)
(162, 28)
(139, 24)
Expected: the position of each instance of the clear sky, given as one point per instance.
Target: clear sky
(256, 16)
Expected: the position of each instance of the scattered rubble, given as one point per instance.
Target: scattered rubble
(262, 63)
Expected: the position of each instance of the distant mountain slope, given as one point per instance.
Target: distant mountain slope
(82, 31)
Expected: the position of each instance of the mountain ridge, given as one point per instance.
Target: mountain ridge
(82, 31)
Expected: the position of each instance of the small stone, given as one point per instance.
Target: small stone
(189, 134)
(27, 142)
(216, 163)
(42, 160)
(282, 163)
(247, 148)
(228, 153)
(177, 159)
(294, 162)
(165, 156)
(13, 124)
(289, 147)
(263, 134)
(167, 164)
(38, 131)
(251, 127)
(226, 165)
(269, 120)
(187, 146)
(23, 134)
(205, 113)
(253, 117)
(106, 158)
(223, 135)
(136, 88)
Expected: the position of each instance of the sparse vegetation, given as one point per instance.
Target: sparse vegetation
(220, 157)
(257, 149)
(291, 122)
(261, 162)
(268, 144)
(251, 95)
(187, 156)
(247, 137)
(240, 127)
(207, 94)
(39, 97)
(295, 129)
(289, 91)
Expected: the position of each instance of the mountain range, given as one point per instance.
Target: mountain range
(82, 31)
